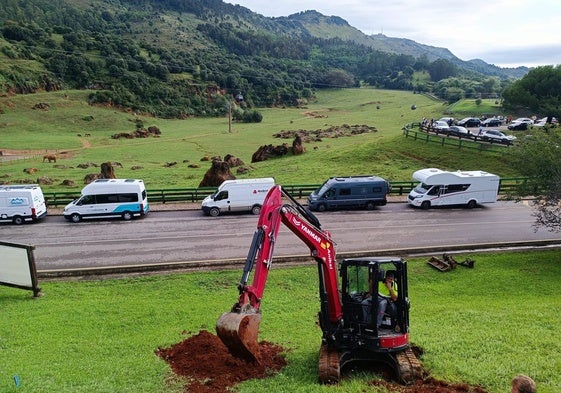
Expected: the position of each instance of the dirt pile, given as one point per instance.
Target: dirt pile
(209, 368)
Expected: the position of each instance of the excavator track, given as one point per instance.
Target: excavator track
(409, 366)
(329, 366)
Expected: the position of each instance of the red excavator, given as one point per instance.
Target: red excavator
(351, 335)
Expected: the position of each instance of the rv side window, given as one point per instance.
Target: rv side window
(128, 197)
(143, 194)
(344, 191)
(221, 195)
(456, 188)
(86, 200)
(329, 193)
(434, 190)
(361, 190)
(107, 198)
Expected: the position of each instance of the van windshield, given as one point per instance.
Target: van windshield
(422, 188)
(323, 189)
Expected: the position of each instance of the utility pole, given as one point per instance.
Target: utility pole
(229, 117)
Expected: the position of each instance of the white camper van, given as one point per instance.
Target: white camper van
(123, 198)
(441, 188)
(21, 203)
(243, 195)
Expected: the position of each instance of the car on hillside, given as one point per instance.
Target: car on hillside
(519, 126)
(440, 127)
(459, 131)
(469, 122)
(524, 120)
(496, 136)
(447, 120)
(492, 122)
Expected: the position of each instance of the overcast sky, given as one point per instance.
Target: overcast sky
(507, 33)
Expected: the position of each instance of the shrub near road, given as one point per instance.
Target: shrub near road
(479, 326)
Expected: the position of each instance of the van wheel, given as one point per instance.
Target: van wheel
(256, 209)
(127, 216)
(370, 205)
(214, 212)
(322, 207)
(75, 217)
(471, 204)
(18, 220)
(425, 205)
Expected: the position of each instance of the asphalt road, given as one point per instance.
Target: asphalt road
(187, 236)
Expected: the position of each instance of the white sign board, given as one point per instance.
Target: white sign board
(17, 266)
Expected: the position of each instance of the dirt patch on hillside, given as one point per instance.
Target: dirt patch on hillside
(207, 366)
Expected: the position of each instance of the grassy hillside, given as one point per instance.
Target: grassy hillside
(65, 119)
(100, 336)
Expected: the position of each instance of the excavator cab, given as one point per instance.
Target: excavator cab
(360, 279)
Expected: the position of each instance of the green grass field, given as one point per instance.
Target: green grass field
(480, 326)
(386, 153)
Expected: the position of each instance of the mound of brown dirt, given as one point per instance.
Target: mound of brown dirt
(208, 366)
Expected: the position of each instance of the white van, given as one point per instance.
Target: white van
(124, 198)
(243, 195)
(21, 203)
(441, 188)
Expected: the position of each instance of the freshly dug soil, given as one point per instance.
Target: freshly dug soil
(208, 367)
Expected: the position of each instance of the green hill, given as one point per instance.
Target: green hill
(191, 58)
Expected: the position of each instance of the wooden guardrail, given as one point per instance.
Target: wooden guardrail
(299, 191)
(428, 135)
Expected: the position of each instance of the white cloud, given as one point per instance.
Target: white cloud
(501, 32)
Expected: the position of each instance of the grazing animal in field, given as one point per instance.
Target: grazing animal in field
(49, 157)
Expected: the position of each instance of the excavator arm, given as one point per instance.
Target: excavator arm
(238, 328)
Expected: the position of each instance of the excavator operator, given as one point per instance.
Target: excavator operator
(387, 295)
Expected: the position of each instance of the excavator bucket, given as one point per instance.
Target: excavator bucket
(238, 331)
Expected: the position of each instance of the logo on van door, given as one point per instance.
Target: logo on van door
(260, 191)
(18, 201)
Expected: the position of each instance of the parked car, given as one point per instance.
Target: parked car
(524, 120)
(469, 122)
(496, 136)
(447, 120)
(440, 127)
(459, 131)
(492, 122)
(518, 126)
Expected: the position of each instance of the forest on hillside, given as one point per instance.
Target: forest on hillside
(185, 58)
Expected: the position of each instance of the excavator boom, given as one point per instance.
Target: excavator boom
(238, 329)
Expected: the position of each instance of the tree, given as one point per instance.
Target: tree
(538, 91)
(538, 157)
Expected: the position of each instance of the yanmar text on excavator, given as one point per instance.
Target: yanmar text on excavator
(350, 335)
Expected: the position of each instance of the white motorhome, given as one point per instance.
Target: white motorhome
(442, 188)
(243, 195)
(125, 198)
(21, 203)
